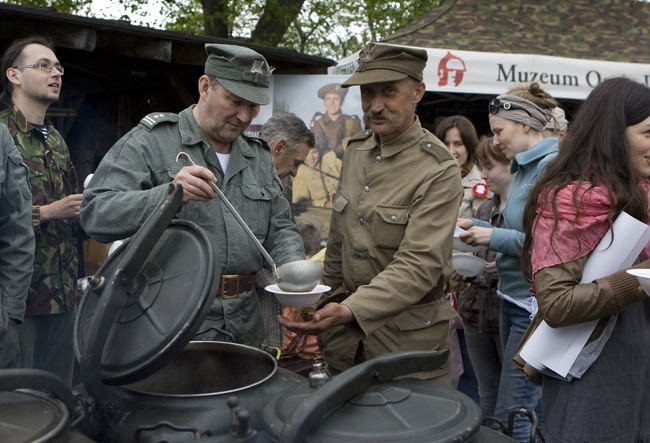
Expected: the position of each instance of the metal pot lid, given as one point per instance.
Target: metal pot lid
(32, 416)
(149, 299)
(376, 401)
(407, 409)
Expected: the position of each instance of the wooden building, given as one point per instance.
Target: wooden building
(116, 73)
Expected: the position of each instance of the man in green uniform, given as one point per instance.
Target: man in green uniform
(134, 175)
(393, 220)
(32, 83)
(333, 129)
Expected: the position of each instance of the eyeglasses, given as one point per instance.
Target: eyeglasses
(43, 66)
(495, 104)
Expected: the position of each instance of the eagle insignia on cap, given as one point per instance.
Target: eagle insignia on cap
(258, 67)
(366, 55)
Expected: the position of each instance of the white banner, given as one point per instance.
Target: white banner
(493, 73)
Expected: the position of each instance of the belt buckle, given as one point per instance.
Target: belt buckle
(224, 281)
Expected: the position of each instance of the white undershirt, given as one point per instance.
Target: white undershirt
(223, 161)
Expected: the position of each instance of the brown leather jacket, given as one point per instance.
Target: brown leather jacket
(563, 301)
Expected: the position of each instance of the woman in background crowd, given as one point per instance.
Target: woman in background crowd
(478, 305)
(459, 135)
(570, 209)
(517, 119)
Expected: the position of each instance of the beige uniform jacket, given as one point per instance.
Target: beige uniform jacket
(390, 244)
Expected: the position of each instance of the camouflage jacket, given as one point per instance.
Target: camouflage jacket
(52, 177)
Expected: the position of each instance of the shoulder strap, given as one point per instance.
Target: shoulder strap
(150, 121)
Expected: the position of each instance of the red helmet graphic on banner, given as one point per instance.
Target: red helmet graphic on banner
(452, 68)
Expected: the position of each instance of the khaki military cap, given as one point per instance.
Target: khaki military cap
(379, 62)
(332, 88)
(241, 71)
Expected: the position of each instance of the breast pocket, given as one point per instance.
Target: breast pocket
(389, 226)
(257, 209)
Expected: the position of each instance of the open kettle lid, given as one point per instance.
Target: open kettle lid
(147, 300)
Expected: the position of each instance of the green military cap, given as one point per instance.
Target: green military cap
(332, 88)
(241, 71)
(379, 62)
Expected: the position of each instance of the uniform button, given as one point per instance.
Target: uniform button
(428, 145)
(426, 322)
(358, 254)
(378, 159)
(366, 189)
(362, 221)
(367, 132)
(393, 218)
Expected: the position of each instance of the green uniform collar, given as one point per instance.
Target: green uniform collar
(192, 134)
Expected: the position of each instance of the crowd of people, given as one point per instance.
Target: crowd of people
(536, 196)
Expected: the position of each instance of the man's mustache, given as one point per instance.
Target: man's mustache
(383, 115)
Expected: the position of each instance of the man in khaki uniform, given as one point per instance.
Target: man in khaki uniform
(333, 129)
(392, 225)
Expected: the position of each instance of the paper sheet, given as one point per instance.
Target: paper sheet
(558, 348)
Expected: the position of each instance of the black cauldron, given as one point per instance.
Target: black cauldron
(144, 381)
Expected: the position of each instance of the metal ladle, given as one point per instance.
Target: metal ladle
(296, 276)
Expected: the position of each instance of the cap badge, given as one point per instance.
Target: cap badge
(366, 55)
(256, 72)
(258, 67)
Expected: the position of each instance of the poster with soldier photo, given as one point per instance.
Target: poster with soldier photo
(333, 114)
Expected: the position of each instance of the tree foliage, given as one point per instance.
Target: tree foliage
(329, 28)
(65, 6)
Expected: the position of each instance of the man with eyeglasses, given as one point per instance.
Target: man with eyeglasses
(32, 82)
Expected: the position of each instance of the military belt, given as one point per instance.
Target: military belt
(435, 294)
(233, 285)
